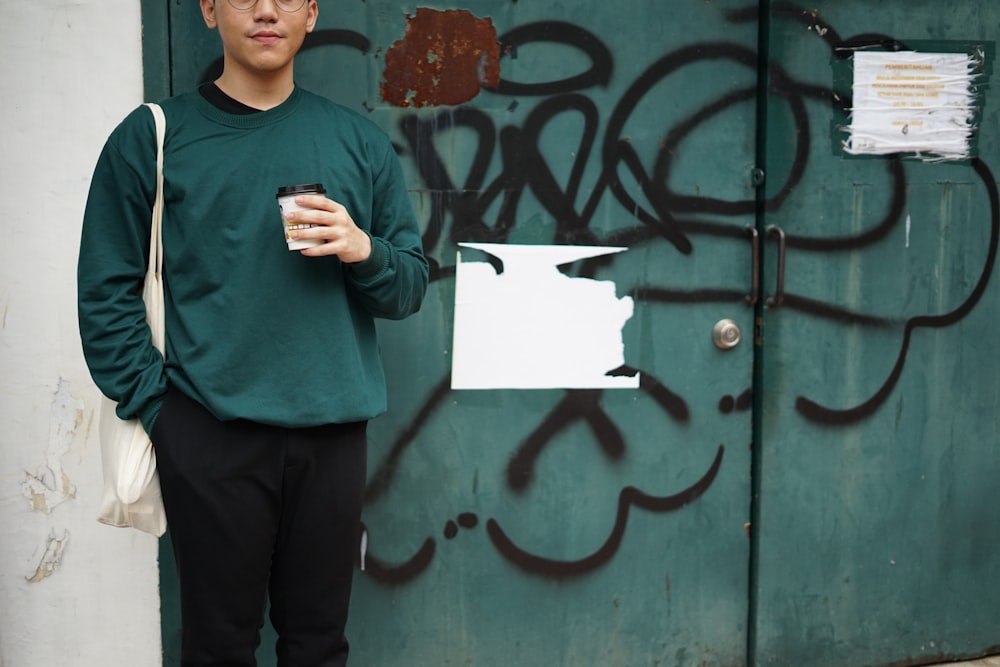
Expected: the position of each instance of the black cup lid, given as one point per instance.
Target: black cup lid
(311, 188)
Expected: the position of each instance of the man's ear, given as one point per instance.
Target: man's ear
(208, 13)
(313, 15)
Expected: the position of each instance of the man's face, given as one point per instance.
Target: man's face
(264, 38)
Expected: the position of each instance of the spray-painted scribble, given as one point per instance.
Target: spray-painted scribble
(482, 205)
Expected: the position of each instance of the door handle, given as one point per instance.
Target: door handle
(726, 334)
(754, 295)
(779, 290)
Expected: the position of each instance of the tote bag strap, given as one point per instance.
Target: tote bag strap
(153, 290)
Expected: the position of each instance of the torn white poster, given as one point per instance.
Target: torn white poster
(910, 102)
(529, 326)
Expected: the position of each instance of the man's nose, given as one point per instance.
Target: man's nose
(265, 10)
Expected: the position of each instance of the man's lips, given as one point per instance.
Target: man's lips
(265, 37)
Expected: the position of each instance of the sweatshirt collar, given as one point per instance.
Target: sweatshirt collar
(259, 119)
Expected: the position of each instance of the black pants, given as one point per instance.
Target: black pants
(257, 511)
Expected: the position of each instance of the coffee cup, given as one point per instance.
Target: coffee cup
(286, 204)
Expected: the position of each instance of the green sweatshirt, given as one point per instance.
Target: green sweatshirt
(254, 330)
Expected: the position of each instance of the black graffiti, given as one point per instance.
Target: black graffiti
(524, 168)
(465, 520)
(398, 574)
(783, 86)
(557, 32)
(585, 405)
(629, 497)
(740, 403)
(818, 413)
(806, 407)
(483, 205)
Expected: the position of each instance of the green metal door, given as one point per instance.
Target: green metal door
(536, 521)
(878, 531)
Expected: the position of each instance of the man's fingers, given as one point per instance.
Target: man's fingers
(319, 202)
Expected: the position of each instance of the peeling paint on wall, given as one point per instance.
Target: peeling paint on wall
(55, 547)
(445, 57)
(49, 486)
(45, 491)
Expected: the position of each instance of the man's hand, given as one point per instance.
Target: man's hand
(334, 226)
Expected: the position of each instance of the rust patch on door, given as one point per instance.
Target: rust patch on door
(444, 58)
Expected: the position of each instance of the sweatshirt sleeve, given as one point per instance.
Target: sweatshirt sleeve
(114, 249)
(392, 282)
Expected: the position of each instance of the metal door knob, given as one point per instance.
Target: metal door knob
(726, 334)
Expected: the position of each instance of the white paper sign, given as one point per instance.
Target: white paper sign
(532, 327)
(910, 102)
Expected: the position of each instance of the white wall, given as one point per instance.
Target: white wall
(72, 591)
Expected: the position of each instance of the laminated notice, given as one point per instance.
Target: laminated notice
(911, 102)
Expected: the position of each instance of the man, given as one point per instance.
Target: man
(272, 369)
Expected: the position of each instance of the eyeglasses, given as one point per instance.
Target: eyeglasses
(283, 5)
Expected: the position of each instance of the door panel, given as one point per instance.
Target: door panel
(877, 454)
(559, 526)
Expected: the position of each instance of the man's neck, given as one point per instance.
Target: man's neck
(259, 92)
